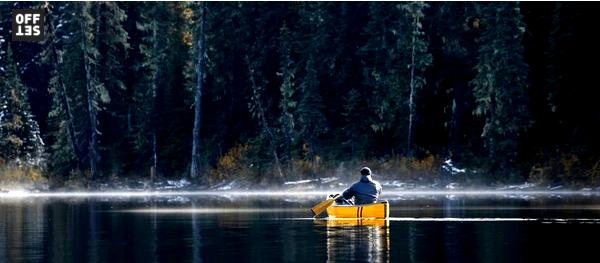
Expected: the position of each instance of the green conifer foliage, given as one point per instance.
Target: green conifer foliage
(500, 87)
(420, 59)
(20, 140)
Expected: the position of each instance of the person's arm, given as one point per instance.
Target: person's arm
(349, 193)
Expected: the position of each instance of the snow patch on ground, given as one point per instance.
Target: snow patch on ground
(450, 168)
(452, 186)
(522, 186)
(324, 180)
(298, 182)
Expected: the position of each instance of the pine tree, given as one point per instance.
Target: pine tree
(154, 54)
(62, 112)
(90, 27)
(501, 82)
(288, 103)
(383, 74)
(113, 42)
(114, 47)
(20, 139)
(355, 129)
(162, 95)
(259, 112)
(420, 59)
(68, 118)
(454, 26)
(101, 35)
(262, 105)
(552, 54)
(311, 122)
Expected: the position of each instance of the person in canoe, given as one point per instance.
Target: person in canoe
(365, 191)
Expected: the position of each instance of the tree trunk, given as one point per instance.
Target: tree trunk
(70, 121)
(195, 167)
(411, 103)
(154, 158)
(491, 129)
(91, 98)
(455, 130)
(154, 168)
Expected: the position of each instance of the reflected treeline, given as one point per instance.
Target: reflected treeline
(99, 231)
(71, 232)
(457, 242)
(22, 229)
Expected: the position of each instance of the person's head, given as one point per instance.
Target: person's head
(365, 171)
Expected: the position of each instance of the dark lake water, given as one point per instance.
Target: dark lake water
(275, 228)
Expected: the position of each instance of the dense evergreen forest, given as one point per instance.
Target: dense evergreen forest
(268, 92)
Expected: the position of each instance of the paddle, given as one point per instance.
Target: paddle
(322, 206)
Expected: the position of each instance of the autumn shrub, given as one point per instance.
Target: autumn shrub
(15, 174)
(565, 168)
(395, 167)
(307, 168)
(594, 173)
(234, 164)
(541, 174)
(571, 166)
(239, 164)
(427, 166)
(75, 181)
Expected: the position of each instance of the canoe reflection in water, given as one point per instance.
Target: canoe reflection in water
(357, 239)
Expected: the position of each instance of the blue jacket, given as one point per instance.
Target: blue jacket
(365, 191)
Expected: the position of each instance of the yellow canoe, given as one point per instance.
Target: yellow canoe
(380, 210)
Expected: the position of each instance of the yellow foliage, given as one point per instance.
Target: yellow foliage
(426, 164)
(15, 123)
(594, 173)
(400, 166)
(233, 164)
(15, 141)
(187, 38)
(187, 13)
(569, 162)
(569, 168)
(540, 174)
(15, 96)
(14, 174)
